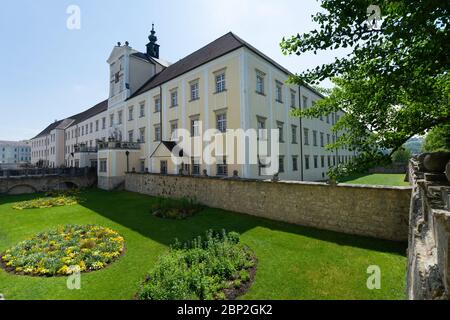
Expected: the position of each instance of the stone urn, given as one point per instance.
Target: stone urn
(447, 171)
(436, 162)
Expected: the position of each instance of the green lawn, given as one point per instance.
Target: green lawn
(294, 262)
(376, 179)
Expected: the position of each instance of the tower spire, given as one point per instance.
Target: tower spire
(152, 46)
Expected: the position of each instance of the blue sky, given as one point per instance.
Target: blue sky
(51, 72)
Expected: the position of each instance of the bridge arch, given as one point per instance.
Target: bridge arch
(67, 185)
(21, 189)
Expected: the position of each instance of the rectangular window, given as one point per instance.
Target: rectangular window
(220, 83)
(279, 92)
(103, 123)
(142, 166)
(295, 163)
(262, 133)
(260, 83)
(142, 135)
(294, 134)
(222, 167)
(316, 162)
(195, 166)
(322, 161)
(305, 102)
(315, 138)
(306, 136)
(111, 120)
(91, 127)
(221, 122)
(195, 93)
(328, 118)
(158, 133)
(130, 113)
(82, 130)
(174, 98)
(102, 167)
(142, 109)
(157, 104)
(96, 126)
(293, 99)
(328, 138)
(173, 128)
(322, 140)
(281, 164)
(163, 167)
(195, 127)
(280, 126)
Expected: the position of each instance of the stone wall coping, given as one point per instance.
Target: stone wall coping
(286, 182)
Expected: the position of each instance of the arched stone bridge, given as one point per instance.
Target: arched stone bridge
(54, 179)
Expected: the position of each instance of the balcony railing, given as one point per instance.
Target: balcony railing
(120, 145)
(85, 149)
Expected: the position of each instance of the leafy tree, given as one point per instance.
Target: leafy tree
(392, 86)
(438, 139)
(402, 155)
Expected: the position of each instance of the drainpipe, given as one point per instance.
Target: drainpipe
(301, 133)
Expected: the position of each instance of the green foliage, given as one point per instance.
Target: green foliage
(64, 251)
(203, 268)
(395, 82)
(402, 155)
(438, 139)
(176, 208)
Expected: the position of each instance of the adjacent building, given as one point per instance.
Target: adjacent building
(228, 84)
(14, 154)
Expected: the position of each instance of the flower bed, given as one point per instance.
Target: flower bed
(64, 251)
(217, 266)
(176, 208)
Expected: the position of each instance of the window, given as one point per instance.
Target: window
(195, 127)
(322, 140)
(294, 163)
(279, 92)
(96, 125)
(130, 136)
(174, 98)
(293, 98)
(102, 167)
(222, 167)
(328, 138)
(316, 162)
(305, 102)
(259, 83)
(294, 134)
(315, 138)
(157, 104)
(281, 164)
(158, 133)
(322, 161)
(82, 130)
(142, 165)
(130, 113)
(142, 135)
(142, 109)
(163, 167)
(220, 83)
(195, 95)
(262, 133)
(91, 126)
(111, 120)
(329, 161)
(306, 136)
(328, 118)
(173, 128)
(280, 126)
(221, 122)
(195, 166)
(103, 123)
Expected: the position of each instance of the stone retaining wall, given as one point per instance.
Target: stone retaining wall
(380, 212)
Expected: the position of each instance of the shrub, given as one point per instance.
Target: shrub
(205, 268)
(64, 251)
(176, 208)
